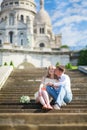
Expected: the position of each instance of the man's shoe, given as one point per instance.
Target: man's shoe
(56, 107)
(63, 103)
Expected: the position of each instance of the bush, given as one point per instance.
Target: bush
(65, 46)
(5, 64)
(68, 66)
(11, 63)
(57, 64)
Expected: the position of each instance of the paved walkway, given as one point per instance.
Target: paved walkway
(4, 73)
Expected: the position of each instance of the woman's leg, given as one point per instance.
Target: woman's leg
(46, 99)
(45, 96)
(42, 101)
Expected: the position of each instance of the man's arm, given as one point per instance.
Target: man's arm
(62, 81)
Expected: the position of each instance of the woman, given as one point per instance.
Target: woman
(42, 95)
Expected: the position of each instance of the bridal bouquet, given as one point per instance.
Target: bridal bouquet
(24, 99)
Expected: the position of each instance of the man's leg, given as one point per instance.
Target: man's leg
(61, 95)
(68, 98)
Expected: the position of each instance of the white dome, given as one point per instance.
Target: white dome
(42, 17)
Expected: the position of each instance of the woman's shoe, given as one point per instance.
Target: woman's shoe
(44, 106)
(49, 107)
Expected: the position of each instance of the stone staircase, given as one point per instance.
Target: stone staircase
(17, 116)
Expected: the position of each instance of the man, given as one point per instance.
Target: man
(60, 91)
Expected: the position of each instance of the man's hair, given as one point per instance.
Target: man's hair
(61, 68)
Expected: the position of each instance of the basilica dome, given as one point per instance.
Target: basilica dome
(42, 17)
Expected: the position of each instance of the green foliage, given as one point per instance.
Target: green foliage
(64, 46)
(74, 67)
(5, 64)
(57, 64)
(11, 63)
(68, 66)
(82, 60)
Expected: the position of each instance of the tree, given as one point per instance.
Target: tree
(82, 60)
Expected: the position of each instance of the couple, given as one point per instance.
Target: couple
(57, 85)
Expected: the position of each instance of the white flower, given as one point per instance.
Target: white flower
(24, 99)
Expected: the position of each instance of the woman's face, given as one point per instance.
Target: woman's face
(51, 70)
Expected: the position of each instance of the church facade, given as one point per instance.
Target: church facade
(26, 35)
(22, 26)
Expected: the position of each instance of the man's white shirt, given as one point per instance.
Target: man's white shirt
(64, 80)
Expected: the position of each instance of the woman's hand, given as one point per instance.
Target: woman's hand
(49, 84)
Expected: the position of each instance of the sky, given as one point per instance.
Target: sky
(69, 18)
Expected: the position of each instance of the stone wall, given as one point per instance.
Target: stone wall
(37, 58)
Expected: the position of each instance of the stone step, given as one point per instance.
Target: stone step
(37, 110)
(33, 75)
(76, 87)
(36, 106)
(17, 100)
(20, 84)
(38, 72)
(33, 89)
(44, 127)
(12, 98)
(17, 95)
(36, 84)
(36, 76)
(43, 118)
(29, 92)
(15, 115)
(42, 71)
(33, 100)
(79, 79)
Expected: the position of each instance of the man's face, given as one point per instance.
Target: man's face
(58, 72)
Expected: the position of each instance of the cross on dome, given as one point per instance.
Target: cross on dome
(41, 3)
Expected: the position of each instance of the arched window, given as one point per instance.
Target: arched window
(35, 30)
(21, 38)
(41, 30)
(21, 42)
(42, 45)
(5, 17)
(11, 19)
(22, 18)
(0, 43)
(27, 19)
(2, 19)
(11, 36)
